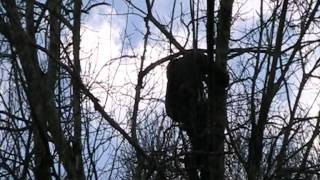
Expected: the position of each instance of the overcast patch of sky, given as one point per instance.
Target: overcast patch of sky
(102, 35)
(103, 30)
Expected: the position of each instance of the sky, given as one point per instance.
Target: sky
(107, 33)
(106, 36)
(103, 30)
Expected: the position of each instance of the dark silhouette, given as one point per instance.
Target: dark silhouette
(187, 103)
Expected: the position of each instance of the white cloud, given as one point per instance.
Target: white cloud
(100, 40)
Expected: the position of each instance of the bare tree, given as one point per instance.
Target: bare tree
(59, 120)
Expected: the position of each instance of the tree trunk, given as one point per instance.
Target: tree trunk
(40, 85)
(77, 144)
(217, 91)
(256, 139)
(42, 155)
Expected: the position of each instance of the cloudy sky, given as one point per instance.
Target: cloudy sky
(109, 32)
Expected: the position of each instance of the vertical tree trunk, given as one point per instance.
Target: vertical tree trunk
(217, 92)
(42, 156)
(40, 85)
(256, 139)
(77, 144)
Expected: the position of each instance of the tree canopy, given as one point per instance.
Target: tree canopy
(83, 89)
